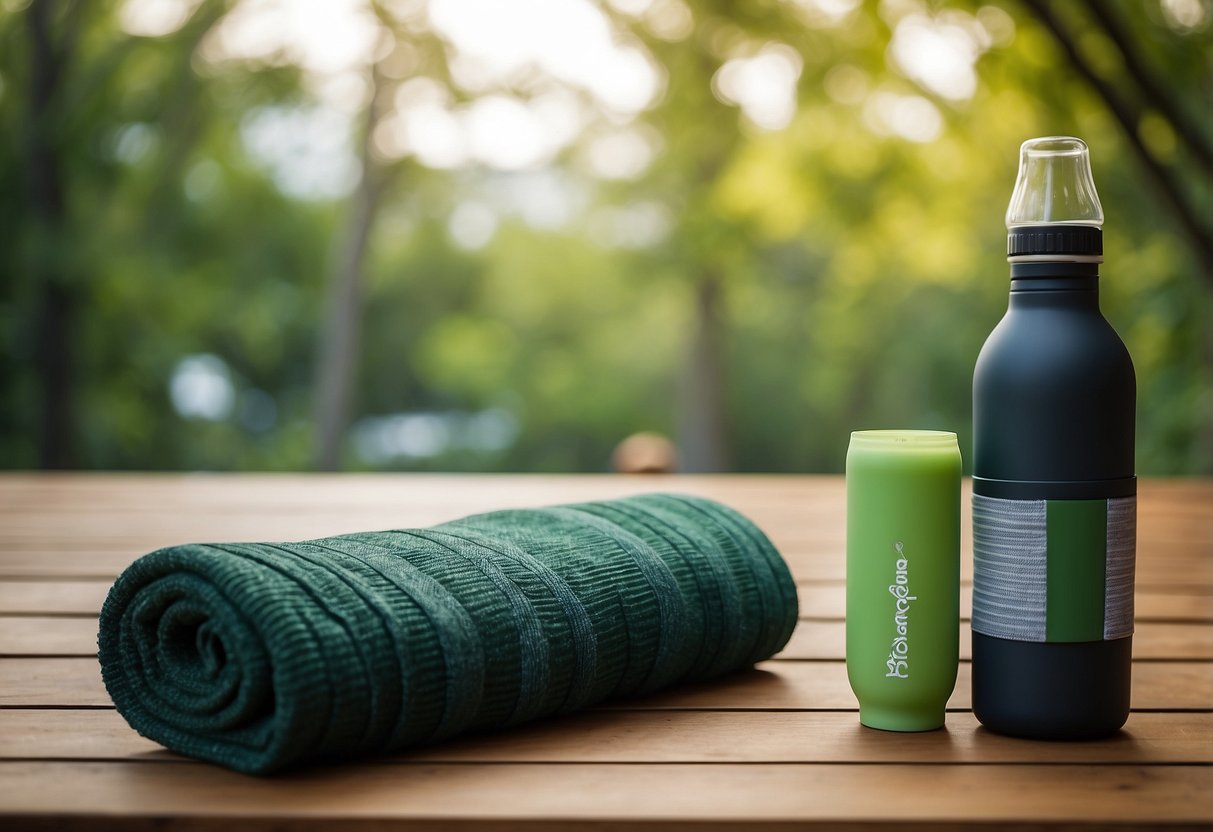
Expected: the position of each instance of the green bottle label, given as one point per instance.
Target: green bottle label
(1054, 570)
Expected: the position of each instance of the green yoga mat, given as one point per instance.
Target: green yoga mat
(262, 656)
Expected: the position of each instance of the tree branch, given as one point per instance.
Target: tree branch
(1129, 115)
(1158, 94)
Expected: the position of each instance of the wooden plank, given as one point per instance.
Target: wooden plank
(1158, 563)
(1162, 501)
(676, 737)
(773, 685)
(114, 519)
(45, 636)
(52, 683)
(866, 796)
(61, 597)
(149, 511)
(1159, 605)
(818, 600)
(53, 636)
(782, 685)
(1151, 641)
(251, 492)
(1155, 640)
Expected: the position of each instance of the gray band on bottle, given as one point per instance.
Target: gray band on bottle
(1120, 567)
(1009, 568)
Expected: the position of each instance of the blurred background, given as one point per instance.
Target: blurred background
(479, 235)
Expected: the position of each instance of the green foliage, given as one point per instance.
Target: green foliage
(860, 271)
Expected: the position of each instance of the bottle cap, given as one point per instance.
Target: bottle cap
(1054, 213)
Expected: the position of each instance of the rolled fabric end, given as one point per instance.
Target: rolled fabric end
(188, 667)
(264, 656)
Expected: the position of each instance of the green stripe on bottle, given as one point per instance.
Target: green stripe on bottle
(1077, 545)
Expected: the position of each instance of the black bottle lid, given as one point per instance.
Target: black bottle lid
(1055, 239)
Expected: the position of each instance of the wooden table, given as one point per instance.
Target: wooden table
(779, 746)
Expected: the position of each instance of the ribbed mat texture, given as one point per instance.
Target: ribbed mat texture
(263, 656)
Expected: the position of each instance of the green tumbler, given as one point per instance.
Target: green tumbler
(903, 575)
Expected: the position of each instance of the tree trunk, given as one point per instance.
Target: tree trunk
(340, 339)
(56, 304)
(702, 428)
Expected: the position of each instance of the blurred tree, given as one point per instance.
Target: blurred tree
(398, 48)
(49, 58)
(221, 247)
(337, 366)
(68, 63)
(125, 238)
(64, 68)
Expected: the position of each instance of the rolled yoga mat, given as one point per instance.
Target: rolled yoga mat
(262, 656)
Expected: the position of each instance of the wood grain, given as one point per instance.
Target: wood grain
(676, 737)
(776, 747)
(819, 600)
(56, 636)
(871, 794)
(95, 526)
(773, 685)
(59, 597)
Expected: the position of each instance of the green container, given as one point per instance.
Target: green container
(903, 576)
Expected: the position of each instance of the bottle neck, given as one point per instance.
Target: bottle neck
(1052, 270)
(1049, 283)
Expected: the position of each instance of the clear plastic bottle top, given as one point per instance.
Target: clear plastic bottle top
(1054, 185)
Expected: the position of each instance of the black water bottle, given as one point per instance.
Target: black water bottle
(1054, 491)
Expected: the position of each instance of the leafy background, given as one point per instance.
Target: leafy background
(467, 235)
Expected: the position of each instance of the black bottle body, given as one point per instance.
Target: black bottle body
(1054, 512)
